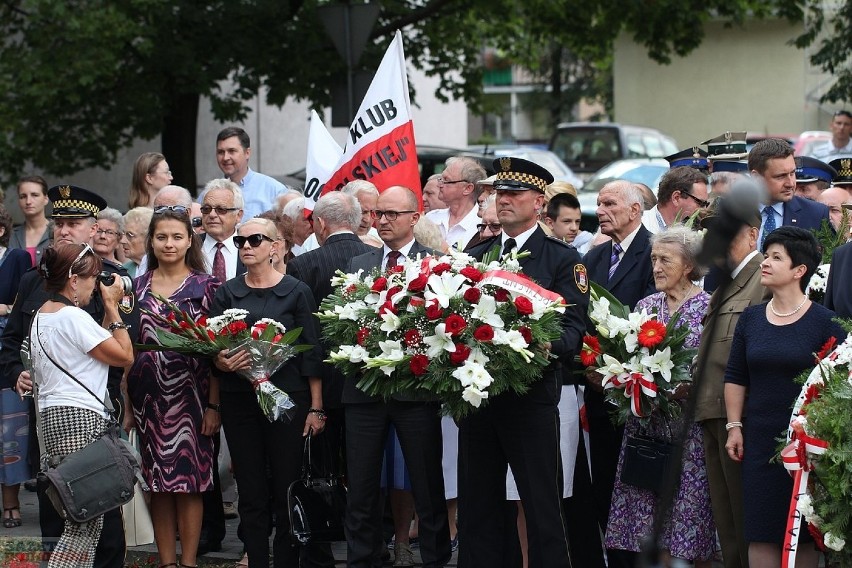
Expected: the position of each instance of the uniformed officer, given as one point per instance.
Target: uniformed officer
(522, 431)
(75, 221)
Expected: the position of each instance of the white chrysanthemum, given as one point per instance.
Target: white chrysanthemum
(833, 542)
(279, 327)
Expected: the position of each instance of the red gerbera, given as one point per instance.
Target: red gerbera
(591, 350)
(484, 333)
(455, 324)
(460, 355)
(651, 333)
(826, 349)
(419, 364)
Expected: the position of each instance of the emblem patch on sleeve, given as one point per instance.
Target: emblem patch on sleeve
(581, 278)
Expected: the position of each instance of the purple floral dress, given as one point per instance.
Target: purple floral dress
(689, 531)
(169, 391)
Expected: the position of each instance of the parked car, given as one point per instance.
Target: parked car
(588, 146)
(809, 140)
(544, 158)
(639, 170)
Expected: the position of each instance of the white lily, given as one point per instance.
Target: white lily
(342, 279)
(660, 362)
(600, 310)
(390, 322)
(486, 311)
(474, 396)
(443, 287)
(350, 311)
(631, 341)
(514, 340)
(478, 356)
(473, 374)
(351, 353)
(440, 342)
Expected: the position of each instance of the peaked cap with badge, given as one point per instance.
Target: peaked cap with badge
(727, 146)
(516, 174)
(73, 202)
(693, 157)
(809, 170)
(843, 167)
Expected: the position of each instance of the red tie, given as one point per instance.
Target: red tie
(219, 264)
(393, 259)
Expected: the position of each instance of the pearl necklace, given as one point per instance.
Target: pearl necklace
(780, 315)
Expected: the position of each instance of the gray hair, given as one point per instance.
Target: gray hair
(357, 186)
(138, 216)
(471, 171)
(339, 211)
(724, 178)
(688, 243)
(489, 201)
(227, 185)
(427, 233)
(629, 192)
(114, 215)
(173, 195)
(294, 208)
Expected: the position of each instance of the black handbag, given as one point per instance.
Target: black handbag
(646, 462)
(316, 505)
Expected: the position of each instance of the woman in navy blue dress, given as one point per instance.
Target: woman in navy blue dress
(773, 343)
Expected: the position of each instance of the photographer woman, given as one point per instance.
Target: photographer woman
(61, 331)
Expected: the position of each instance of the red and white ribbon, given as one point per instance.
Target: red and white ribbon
(796, 460)
(634, 385)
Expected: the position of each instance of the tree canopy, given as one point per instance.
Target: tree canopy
(82, 79)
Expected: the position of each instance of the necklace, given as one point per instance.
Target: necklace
(780, 315)
(685, 298)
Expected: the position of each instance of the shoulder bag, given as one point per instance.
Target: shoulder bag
(95, 479)
(316, 505)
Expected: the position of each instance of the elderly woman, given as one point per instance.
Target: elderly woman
(136, 222)
(151, 173)
(773, 343)
(688, 532)
(34, 235)
(110, 231)
(71, 417)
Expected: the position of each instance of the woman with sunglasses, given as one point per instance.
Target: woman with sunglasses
(63, 334)
(253, 440)
(174, 399)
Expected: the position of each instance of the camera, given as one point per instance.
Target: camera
(107, 279)
(196, 222)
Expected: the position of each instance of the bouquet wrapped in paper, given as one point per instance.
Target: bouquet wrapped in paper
(267, 341)
(641, 360)
(462, 329)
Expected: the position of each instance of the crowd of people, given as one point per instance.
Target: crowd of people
(528, 480)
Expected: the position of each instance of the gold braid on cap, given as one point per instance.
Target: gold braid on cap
(527, 179)
(845, 169)
(60, 204)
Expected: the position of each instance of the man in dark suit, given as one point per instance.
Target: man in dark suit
(622, 266)
(838, 294)
(772, 161)
(415, 416)
(522, 431)
(726, 305)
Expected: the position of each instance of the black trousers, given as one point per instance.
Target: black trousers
(521, 431)
(254, 442)
(213, 521)
(418, 425)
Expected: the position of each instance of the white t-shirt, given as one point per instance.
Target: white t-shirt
(68, 335)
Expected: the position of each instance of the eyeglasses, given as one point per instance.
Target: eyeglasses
(442, 181)
(165, 173)
(493, 227)
(207, 209)
(179, 209)
(109, 232)
(391, 215)
(253, 240)
(86, 248)
(701, 202)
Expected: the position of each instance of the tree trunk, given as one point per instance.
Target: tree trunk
(178, 139)
(556, 101)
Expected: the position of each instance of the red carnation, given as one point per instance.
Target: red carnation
(419, 364)
(526, 333)
(472, 295)
(523, 305)
(362, 336)
(501, 295)
(412, 338)
(651, 333)
(258, 330)
(379, 284)
(460, 355)
(441, 268)
(236, 327)
(826, 349)
(434, 311)
(484, 332)
(455, 324)
(590, 351)
(418, 284)
(471, 274)
(277, 338)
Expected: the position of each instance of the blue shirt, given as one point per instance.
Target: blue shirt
(259, 193)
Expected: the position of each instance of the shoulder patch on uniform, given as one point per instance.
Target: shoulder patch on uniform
(581, 278)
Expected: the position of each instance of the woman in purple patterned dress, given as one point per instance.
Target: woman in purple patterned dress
(688, 531)
(173, 397)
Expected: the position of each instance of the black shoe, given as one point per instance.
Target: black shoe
(205, 546)
(30, 485)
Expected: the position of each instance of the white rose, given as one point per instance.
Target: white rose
(833, 542)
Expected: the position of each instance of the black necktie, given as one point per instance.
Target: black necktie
(508, 246)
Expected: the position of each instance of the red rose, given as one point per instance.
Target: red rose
(472, 295)
(387, 307)
(419, 364)
(379, 284)
(501, 295)
(651, 333)
(590, 351)
(523, 305)
(471, 274)
(416, 302)
(455, 324)
(412, 338)
(418, 284)
(460, 355)
(441, 268)
(393, 292)
(484, 333)
(526, 333)
(363, 333)
(434, 311)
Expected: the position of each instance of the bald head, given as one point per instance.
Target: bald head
(173, 195)
(834, 198)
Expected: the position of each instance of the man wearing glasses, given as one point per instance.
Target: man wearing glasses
(683, 190)
(75, 221)
(457, 189)
(221, 211)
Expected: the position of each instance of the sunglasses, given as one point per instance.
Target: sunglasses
(700, 202)
(493, 227)
(179, 209)
(207, 209)
(253, 240)
(86, 249)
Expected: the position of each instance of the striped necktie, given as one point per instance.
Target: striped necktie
(614, 258)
